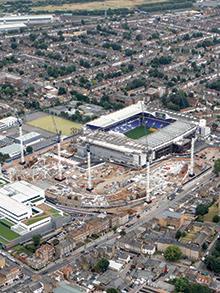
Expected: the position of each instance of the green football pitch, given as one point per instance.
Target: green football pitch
(138, 132)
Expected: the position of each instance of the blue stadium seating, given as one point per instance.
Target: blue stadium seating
(135, 121)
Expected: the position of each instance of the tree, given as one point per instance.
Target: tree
(217, 167)
(202, 209)
(36, 240)
(213, 263)
(112, 290)
(128, 52)
(61, 91)
(178, 234)
(3, 158)
(216, 219)
(139, 37)
(172, 253)
(102, 265)
(204, 246)
(181, 284)
(14, 45)
(123, 232)
(29, 149)
(197, 288)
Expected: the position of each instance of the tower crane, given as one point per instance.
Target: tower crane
(58, 139)
(20, 124)
(89, 186)
(148, 155)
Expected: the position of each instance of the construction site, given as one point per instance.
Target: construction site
(93, 184)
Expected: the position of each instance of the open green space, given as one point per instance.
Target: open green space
(46, 123)
(138, 132)
(22, 249)
(7, 233)
(54, 213)
(213, 211)
(189, 237)
(94, 5)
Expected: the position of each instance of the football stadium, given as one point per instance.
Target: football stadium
(127, 135)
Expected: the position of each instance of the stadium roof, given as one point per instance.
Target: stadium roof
(168, 134)
(107, 120)
(115, 117)
(114, 141)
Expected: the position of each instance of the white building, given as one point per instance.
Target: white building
(8, 122)
(24, 192)
(17, 200)
(30, 138)
(13, 150)
(6, 27)
(12, 209)
(27, 19)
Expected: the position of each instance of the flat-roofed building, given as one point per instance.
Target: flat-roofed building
(27, 19)
(24, 193)
(29, 138)
(6, 27)
(8, 122)
(17, 199)
(13, 150)
(12, 209)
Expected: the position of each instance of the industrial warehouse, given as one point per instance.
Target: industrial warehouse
(126, 136)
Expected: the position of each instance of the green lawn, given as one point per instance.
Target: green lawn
(6, 233)
(35, 219)
(138, 132)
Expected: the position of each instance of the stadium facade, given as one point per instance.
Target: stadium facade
(161, 132)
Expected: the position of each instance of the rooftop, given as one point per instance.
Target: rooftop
(21, 191)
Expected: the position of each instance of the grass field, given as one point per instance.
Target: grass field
(213, 210)
(98, 5)
(6, 233)
(138, 132)
(63, 125)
